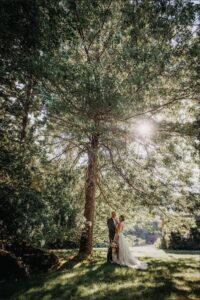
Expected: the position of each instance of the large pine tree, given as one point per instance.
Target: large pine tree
(122, 60)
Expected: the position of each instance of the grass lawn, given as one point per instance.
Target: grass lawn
(172, 276)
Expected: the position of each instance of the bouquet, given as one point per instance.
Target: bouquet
(115, 247)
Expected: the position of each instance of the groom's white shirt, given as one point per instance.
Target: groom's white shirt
(115, 221)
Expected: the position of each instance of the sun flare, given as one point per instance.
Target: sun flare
(144, 128)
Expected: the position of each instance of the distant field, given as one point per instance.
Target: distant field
(170, 276)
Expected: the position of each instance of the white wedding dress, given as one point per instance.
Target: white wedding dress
(125, 256)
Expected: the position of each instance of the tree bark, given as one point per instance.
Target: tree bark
(90, 188)
(26, 107)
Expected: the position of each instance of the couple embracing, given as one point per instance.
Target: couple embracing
(118, 251)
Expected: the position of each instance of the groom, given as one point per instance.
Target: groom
(112, 224)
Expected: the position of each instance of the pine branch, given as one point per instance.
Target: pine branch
(121, 173)
(104, 196)
(159, 108)
(80, 29)
(68, 148)
(75, 161)
(102, 25)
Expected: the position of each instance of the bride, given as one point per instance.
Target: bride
(124, 256)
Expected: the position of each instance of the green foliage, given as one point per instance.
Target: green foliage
(181, 232)
(177, 241)
(38, 203)
(108, 77)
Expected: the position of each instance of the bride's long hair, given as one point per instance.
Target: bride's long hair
(121, 218)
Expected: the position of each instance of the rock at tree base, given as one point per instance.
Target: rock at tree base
(12, 267)
(19, 260)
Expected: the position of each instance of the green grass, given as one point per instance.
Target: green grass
(175, 276)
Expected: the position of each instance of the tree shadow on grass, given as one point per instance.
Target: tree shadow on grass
(97, 280)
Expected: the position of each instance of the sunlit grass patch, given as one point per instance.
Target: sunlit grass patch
(174, 278)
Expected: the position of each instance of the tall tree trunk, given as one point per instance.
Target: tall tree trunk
(26, 107)
(90, 187)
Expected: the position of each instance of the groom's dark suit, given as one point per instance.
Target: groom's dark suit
(112, 228)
